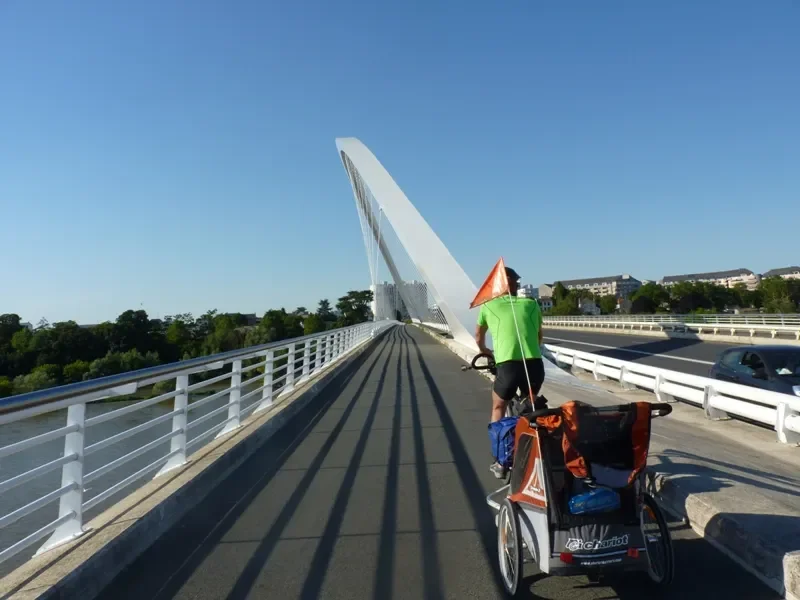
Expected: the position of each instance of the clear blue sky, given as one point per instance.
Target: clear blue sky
(180, 155)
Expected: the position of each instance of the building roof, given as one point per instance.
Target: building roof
(710, 275)
(591, 280)
(783, 271)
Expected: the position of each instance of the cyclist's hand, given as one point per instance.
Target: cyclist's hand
(485, 350)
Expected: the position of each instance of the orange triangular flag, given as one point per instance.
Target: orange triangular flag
(496, 285)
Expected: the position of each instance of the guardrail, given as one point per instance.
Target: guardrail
(257, 375)
(718, 399)
(774, 331)
(754, 319)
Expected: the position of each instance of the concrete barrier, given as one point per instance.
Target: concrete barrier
(115, 538)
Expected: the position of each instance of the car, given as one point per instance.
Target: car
(774, 368)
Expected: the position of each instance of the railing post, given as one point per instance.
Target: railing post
(712, 413)
(597, 375)
(288, 387)
(71, 503)
(661, 396)
(266, 393)
(178, 441)
(328, 349)
(233, 399)
(306, 361)
(785, 416)
(623, 376)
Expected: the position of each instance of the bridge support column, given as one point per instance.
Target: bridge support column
(70, 505)
(233, 399)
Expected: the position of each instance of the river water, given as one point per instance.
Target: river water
(25, 493)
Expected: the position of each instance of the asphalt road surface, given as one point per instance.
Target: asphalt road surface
(686, 355)
(378, 491)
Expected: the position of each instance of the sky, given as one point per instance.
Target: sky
(180, 156)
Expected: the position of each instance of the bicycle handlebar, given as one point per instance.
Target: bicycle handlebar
(490, 364)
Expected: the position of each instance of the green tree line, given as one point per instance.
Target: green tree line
(61, 353)
(773, 295)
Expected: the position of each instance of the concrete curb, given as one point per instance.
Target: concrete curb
(749, 548)
(81, 569)
(756, 553)
(739, 340)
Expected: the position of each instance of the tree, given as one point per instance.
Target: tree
(6, 387)
(559, 293)
(313, 324)
(36, 380)
(324, 311)
(608, 304)
(75, 371)
(354, 307)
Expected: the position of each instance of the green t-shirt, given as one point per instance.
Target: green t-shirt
(497, 316)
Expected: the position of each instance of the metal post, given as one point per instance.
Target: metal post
(328, 349)
(178, 441)
(266, 394)
(70, 505)
(306, 360)
(290, 366)
(712, 413)
(233, 399)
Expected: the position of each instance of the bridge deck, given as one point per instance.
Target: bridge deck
(382, 498)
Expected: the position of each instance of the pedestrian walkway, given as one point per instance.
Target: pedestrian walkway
(378, 491)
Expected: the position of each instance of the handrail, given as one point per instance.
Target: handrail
(102, 384)
(764, 319)
(717, 398)
(284, 366)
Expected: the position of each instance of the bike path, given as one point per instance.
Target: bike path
(378, 492)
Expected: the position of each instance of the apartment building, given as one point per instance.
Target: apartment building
(621, 286)
(784, 273)
(723, 278)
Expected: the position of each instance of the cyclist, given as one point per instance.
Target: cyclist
(513, 352)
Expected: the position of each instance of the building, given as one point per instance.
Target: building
(546, 302)
(546, 290)
(723, 278)
(621, 286)
(528, 291)
(784, 273)
(588, 307)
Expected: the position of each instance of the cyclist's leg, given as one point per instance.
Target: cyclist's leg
(504, 389)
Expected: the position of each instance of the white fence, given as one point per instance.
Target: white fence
(718, 399)
(778, 326)
(257, 376)
(741, 319)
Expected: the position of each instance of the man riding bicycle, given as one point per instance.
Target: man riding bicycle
(513, 351)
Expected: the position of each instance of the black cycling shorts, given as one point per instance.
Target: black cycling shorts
(511, 377)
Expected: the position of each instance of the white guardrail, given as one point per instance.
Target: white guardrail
(776, 326)
(717, 398)
(250, 391)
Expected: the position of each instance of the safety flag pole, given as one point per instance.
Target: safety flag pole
(521, 349)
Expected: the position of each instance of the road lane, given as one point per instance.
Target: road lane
(686, 355)
(383, 497)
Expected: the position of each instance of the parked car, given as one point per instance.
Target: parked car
(774, 368)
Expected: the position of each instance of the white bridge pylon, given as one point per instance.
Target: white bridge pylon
(446, 281)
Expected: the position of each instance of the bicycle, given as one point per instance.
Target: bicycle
(519, 405)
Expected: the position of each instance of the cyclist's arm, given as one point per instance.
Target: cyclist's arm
(480, 332)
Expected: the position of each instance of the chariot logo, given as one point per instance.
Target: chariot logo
(575, 544)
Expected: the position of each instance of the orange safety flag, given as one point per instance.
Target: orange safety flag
(496, 285)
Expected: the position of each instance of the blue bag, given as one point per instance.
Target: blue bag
(501, 436)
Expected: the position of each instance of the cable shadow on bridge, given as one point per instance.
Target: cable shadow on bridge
(165, 579)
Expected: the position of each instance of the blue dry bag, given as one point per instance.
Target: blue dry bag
(501, 436)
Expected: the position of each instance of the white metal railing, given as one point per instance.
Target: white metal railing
(774, 330)
(717, 398)
(256, 376)
(754, 319)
